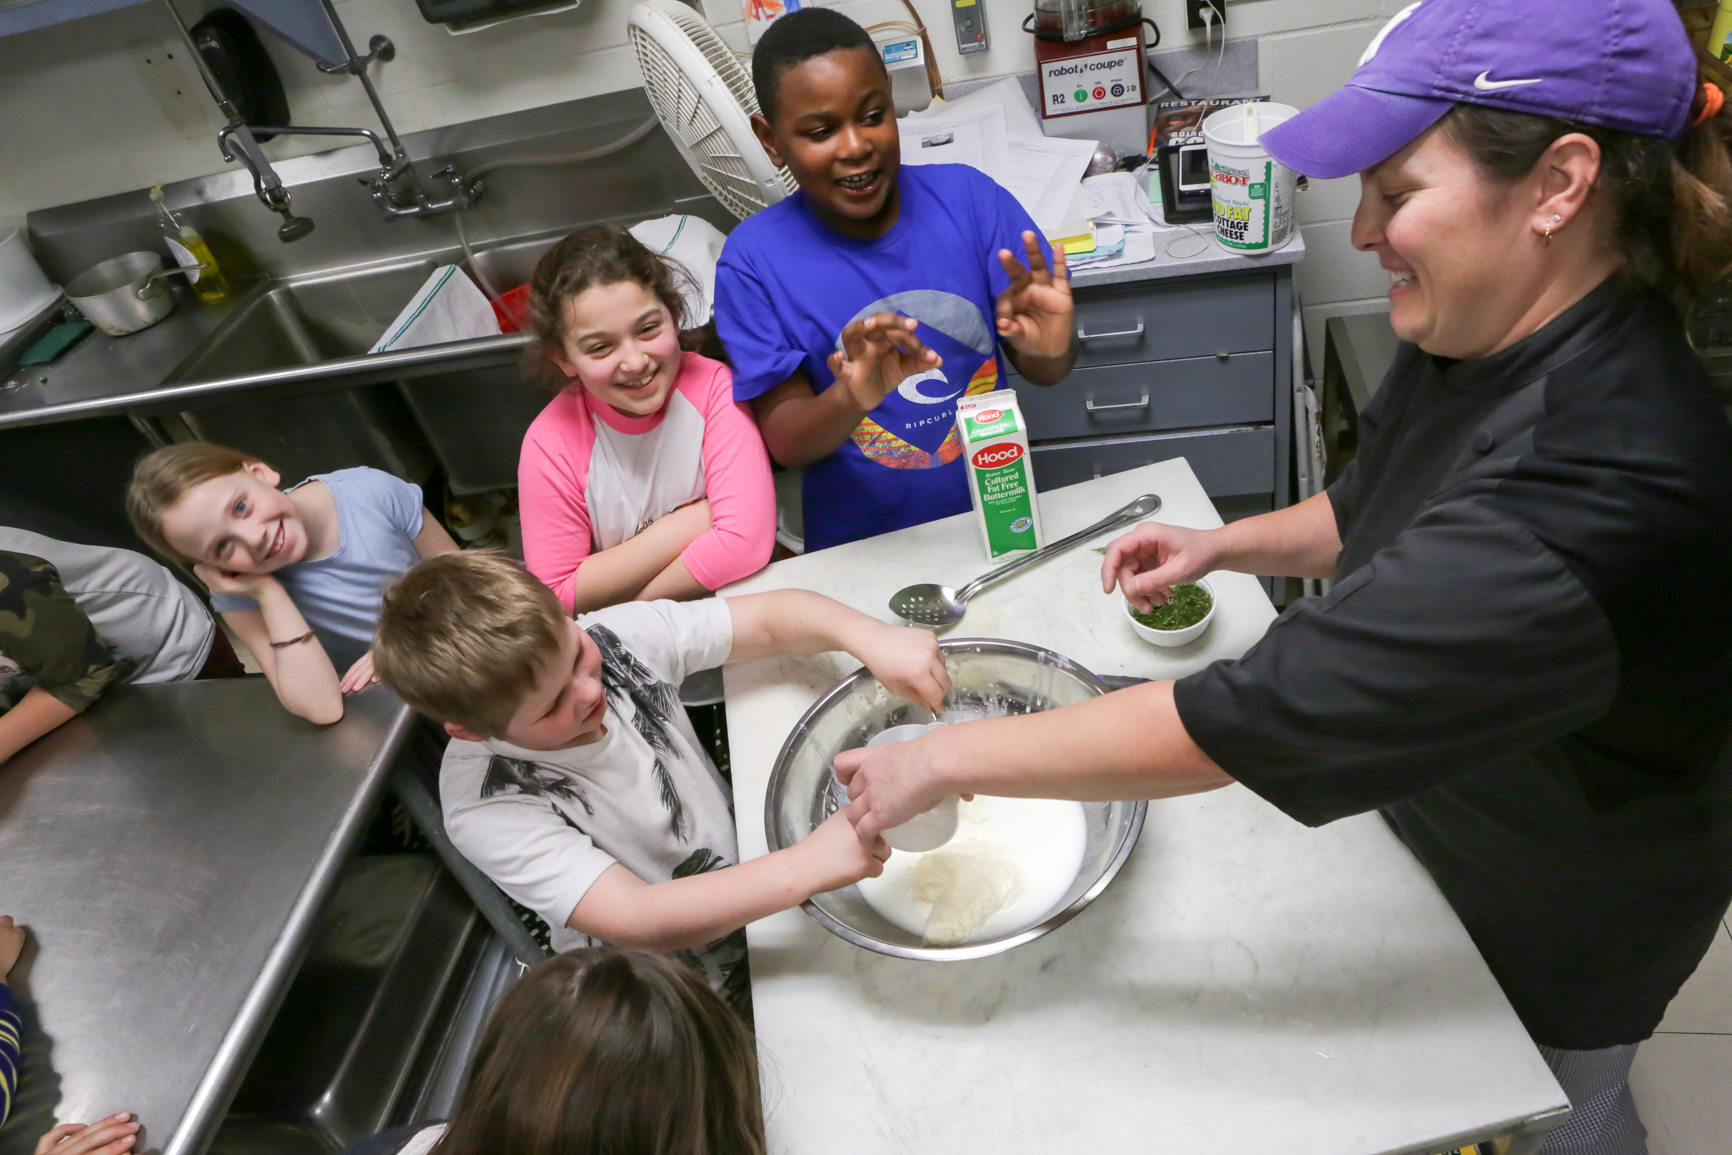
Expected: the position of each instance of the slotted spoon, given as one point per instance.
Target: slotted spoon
(936, 606)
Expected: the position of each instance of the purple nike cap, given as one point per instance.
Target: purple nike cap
(1620, 64)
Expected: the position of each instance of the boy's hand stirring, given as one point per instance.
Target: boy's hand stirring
(877, 355)
(907, 661)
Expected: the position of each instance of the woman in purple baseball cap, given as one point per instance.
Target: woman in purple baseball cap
(1525, 662)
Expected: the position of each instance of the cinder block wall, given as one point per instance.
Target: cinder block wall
(110, 103)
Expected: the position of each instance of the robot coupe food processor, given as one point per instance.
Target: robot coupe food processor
(1089, 55)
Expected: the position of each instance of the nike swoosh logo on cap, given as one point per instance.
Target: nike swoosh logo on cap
(1484, 83)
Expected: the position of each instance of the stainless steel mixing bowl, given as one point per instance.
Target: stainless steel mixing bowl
(989, 677)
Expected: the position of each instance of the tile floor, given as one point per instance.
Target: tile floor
(1683, 1075)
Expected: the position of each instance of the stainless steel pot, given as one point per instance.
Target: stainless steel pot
(123, 294)
(988, 676)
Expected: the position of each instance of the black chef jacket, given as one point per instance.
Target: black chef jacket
(1526, 660)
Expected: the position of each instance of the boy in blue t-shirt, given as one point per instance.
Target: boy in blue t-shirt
(858, 310)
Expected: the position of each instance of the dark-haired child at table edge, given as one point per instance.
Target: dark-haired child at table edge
(110, 1136)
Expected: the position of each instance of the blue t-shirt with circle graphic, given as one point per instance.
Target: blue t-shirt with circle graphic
(788, 284)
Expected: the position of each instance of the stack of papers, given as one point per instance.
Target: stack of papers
(1102, 221)
(1124, 229)
(995, 131)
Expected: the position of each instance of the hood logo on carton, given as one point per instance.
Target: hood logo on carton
(988, 416)
(993, 456)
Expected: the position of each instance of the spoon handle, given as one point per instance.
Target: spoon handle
(1142, 507)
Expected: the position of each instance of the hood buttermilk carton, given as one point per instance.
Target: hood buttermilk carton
(1000, 474)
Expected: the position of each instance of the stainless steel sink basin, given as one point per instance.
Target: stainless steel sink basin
(287, 375)
(294, 346)
(283, 371)
(305, 322)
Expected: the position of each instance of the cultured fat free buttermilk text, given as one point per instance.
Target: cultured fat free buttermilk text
(1000, 472)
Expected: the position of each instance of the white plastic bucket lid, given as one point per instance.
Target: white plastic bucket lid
(24, 290)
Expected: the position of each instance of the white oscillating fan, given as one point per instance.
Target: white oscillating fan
(703, 96)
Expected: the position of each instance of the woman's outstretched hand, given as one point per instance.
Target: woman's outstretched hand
(1146, 563)
(889, 784)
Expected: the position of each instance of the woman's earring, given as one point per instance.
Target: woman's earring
(1556, 217)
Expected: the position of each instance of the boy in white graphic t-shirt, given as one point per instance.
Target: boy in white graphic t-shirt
(574, 779)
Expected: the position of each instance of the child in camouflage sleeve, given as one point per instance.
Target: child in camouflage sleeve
(77, 619)
(52, 663)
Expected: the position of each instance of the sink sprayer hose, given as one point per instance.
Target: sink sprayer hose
(636, 134)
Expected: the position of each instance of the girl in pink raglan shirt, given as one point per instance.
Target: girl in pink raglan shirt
(642, 479)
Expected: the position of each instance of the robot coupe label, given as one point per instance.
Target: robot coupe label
(1089, 83)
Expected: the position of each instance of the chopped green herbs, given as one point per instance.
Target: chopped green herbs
(1189, 605)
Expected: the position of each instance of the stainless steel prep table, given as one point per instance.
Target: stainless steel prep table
(169, 852)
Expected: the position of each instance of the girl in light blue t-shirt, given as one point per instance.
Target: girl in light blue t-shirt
(298, 573)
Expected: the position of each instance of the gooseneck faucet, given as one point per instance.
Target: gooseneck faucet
(396, 188)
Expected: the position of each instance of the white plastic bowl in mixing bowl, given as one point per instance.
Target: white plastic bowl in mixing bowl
(1175, 637)
(988, 677)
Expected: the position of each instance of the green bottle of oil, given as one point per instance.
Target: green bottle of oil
(1720, 35)
(190, 251)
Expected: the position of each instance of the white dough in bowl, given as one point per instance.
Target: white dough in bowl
(1040, 843)
(966, 883)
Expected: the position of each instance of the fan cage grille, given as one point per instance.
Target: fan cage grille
(680, 107)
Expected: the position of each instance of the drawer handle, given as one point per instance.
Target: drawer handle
(1084, 335)
(1090, 405)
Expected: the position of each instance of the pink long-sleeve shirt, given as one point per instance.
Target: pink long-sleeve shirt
(590, 477)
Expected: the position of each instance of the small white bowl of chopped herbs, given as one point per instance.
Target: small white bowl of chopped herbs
(1179, 620)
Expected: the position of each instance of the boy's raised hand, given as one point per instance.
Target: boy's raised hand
(1035, 313)
(878, 354)
(907, 661)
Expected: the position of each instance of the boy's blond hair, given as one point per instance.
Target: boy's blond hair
(462, 637)
(163, 477)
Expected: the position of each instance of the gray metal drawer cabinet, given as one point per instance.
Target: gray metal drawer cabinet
(1109, 400)
(1226, 461)
(1187, 318)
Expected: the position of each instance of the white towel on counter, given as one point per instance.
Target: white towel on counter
(447, 308)
(697, 245)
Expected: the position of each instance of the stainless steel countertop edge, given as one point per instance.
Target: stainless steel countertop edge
(451, 356)
(222, 1078)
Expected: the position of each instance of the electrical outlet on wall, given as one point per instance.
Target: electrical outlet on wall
(173, 81)
(1194, 13)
